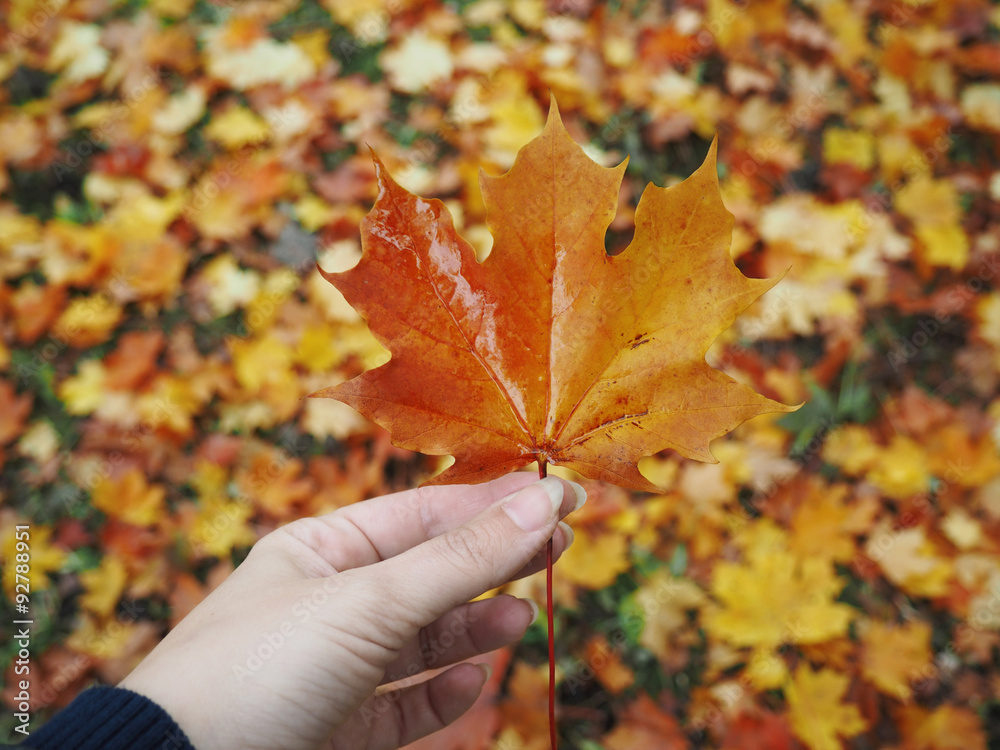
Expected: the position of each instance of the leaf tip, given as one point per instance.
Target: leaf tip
(711, 162)
(554, 119)
(553, 106)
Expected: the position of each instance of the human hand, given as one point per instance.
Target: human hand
(288, 652)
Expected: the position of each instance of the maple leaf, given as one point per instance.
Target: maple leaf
(893, 656)
(596, 560)
(762, 729)
(816, 712)
(645, 724)
(14, 410)
(130, 498)
(551, 350)
(46, 556)
(944, 728)
(776, 598)
(910, 560)
(104, 585)
(606, 663)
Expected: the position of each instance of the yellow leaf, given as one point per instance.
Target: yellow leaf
(88, 321)
(665, 601)
(45, 556)
(776, 598)
(981, 106)
(76, 254)
(365, 18)
(101, 638)
(238, 127)
(909, 560)
(78, 53)
(259, 362)
(901, 470)
(849, 147)
(142, 217)
(18, 232)
(988, 317)
(946, 245)
(316, 44)
(84, 392)
(850, 31)
(169, 404)
(802, 223)
(516, 118)
(595, 559)
(172, 8)
(816, 712)
(893, 657)
(230, 286)
(927, 202)
(130, 499)
(181, 111)
(313, 212)
(317, 349)
(209, 480)
(263, 309)
(104, 586)
(40, 441)
(766, 670)
(219, 525)
(325, 417)
(852, 449)
(962, 530)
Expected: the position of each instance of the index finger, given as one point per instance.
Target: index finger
(374, 530)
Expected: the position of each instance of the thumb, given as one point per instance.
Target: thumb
(430, 579)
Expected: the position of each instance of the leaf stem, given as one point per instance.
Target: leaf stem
(542, 473)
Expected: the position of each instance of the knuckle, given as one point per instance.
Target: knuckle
(267, 545)
(467, 545)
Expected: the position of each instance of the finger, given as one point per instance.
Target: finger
(561, 540)
(427, 581)
(399, 717)
(466, 631)
(381, 528)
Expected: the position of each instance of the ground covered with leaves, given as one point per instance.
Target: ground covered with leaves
(171, 170)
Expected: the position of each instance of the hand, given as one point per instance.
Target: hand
(288, 652)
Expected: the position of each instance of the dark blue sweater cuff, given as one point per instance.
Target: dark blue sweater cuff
(110, 718)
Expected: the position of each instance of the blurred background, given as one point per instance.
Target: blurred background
(171, 171)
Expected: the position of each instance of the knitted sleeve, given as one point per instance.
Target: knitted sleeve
(109, 718)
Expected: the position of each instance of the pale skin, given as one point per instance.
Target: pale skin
(289, 651)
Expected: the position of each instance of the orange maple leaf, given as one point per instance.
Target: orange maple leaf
(644, 724)
(895, 656)
(943, 728)
(551, 350)
(14, 410)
